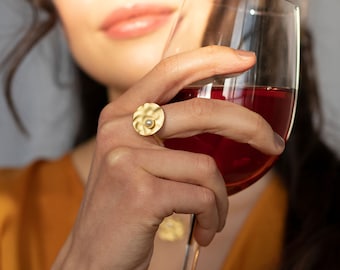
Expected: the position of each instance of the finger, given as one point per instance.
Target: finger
(224, 118)
(173, 73)
(191, 168)
(195, 116)
(158, 197)
(186, 198)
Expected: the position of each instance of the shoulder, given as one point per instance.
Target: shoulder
(38, 206)
(261, 233)
(41, 179)
(39, 174)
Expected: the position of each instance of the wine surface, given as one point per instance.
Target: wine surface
(240, 164)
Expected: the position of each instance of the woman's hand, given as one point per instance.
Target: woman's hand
(134, 182)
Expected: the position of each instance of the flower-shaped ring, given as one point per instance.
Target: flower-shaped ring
(148, 119)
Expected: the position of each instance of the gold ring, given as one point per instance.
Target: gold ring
(148, 119)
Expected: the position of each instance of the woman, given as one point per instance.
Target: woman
(131, 181)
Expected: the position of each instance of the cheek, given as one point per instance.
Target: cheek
(117, 64)
(125, 65)
(74, 16)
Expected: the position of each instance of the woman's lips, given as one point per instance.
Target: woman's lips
(135, 21)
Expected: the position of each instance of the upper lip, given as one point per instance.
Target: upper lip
(134, 11)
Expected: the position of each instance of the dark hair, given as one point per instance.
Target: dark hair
(92, 95)
(311, 173)
(309, 169)
(38, 29)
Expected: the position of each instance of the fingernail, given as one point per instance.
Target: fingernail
(279, 141)
(245, 54)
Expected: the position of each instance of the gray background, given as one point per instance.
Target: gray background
(51, 111)
(324, 21)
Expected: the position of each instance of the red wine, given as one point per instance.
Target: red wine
(240, 164)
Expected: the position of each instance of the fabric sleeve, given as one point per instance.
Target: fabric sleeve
(38, 207)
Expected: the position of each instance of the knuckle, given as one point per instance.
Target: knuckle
(168, 71)
(206, 165)
(104, 130)
(200, 108)
(119, 157)
(211, 52)
(108, 120)
(105, 114)
(124, 164)
(107, 130)
(259, 124)
(212, 49)
(208, 198)
(168, 65)
(145, 191)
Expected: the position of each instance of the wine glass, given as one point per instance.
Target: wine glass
(269, 28)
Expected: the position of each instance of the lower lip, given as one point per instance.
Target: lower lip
(137, 26)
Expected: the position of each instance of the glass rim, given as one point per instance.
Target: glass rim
(288, 9)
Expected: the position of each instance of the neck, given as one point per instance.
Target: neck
(113, 93)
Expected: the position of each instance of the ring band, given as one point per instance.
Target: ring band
(148, 119)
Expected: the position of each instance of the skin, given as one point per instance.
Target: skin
(125, 173)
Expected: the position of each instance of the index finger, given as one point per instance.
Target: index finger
(173, 73)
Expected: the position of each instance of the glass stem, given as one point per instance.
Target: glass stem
(192, 248)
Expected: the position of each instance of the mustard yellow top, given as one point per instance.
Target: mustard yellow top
(39, 204)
